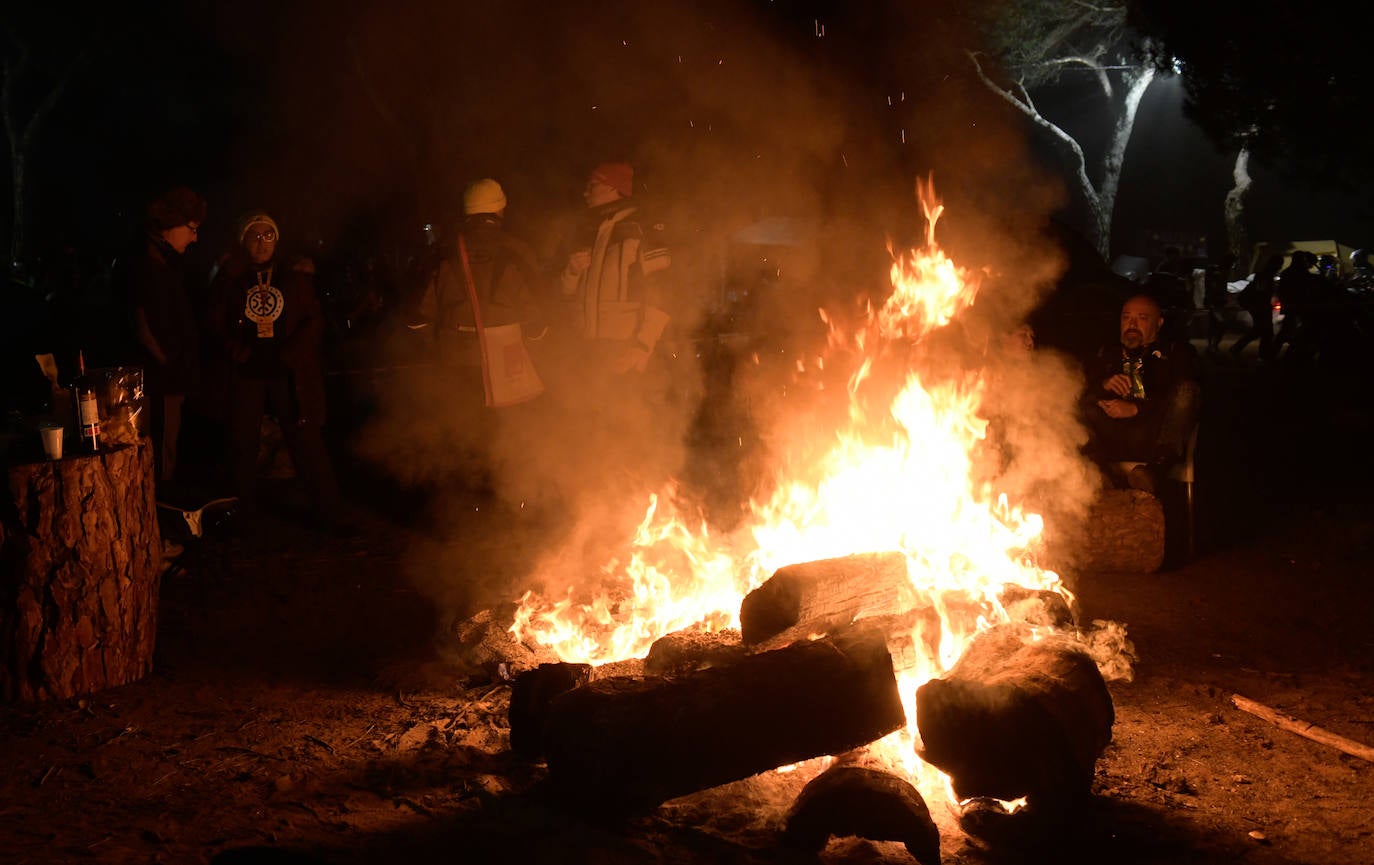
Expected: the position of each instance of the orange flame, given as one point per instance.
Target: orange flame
(898, 476)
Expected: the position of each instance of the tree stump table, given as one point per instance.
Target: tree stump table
(80, 571)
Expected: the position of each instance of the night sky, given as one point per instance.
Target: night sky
(358, 126)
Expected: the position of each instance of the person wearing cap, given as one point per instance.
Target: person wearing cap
(267, 323)
(505, 275)
(613, 272)
(163, 322)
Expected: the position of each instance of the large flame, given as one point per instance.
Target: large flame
(898, 475)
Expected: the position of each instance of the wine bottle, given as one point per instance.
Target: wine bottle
(87, 408)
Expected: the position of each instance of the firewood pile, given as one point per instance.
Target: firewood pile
(813, 672)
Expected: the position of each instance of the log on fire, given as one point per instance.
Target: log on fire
(849, 800)
(80, 569)
(826, 593)
(625, 745)
(693, 649)
(1017, 718)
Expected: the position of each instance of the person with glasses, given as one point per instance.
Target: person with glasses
(163, 321)
(266, 321)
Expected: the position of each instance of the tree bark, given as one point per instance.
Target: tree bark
(624, 745)
(1237, 239)
(1124, 533)
(80, 570)
(1017, 718)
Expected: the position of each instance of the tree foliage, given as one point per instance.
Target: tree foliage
(1033, 43)
(1038, 40)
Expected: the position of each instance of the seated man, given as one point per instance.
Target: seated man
(1142, 398)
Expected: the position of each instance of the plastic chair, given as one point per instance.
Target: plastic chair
(1183, 472)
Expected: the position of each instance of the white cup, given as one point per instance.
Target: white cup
(52, 440)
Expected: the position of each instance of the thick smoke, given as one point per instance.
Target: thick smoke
(780, 162)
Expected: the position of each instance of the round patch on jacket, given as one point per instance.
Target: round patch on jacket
(263, 307)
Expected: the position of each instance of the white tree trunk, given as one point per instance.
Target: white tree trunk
(1237, 238)
(1135, 82)
(1099, 198)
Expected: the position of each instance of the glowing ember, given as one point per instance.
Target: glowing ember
(897, 476)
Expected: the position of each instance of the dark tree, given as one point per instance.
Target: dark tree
(1288, 82)
(1033, 44)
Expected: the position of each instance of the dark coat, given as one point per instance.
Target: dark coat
(157, 288)
(1163, 367)
(506, 279)
(270, 336)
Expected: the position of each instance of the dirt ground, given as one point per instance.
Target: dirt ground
(297, 711)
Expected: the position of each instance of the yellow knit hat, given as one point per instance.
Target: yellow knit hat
(483, 196)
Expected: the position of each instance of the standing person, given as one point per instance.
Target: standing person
(1299, 290)
(1143, 396)
(267, 321)
(163, 322)
(1257, 299)
(613, 273)
(1217, 298)
(505, 278)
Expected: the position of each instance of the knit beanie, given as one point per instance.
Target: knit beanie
(176, 207)
(617, 175)
(256, 217)
(483, 196)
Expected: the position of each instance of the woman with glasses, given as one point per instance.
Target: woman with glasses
(266, 320)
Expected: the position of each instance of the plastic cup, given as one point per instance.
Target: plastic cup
(52, 440)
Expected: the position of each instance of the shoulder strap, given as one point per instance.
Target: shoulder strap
(476, 317)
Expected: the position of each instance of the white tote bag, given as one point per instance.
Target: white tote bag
(507, 369)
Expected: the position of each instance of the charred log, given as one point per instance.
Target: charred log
(912, 636)
(825, 594)
(625, 745)
(848, 800)
(1014, 718)
(80, 570)
(531, 694)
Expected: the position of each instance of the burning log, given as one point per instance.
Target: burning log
(80, 570)
(825, 594)
(483, 645)
(693, 649)
(1015, 719)
(625, 745)
(1124, 533)
(851, 800)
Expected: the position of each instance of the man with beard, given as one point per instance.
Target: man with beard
(1143, 397)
